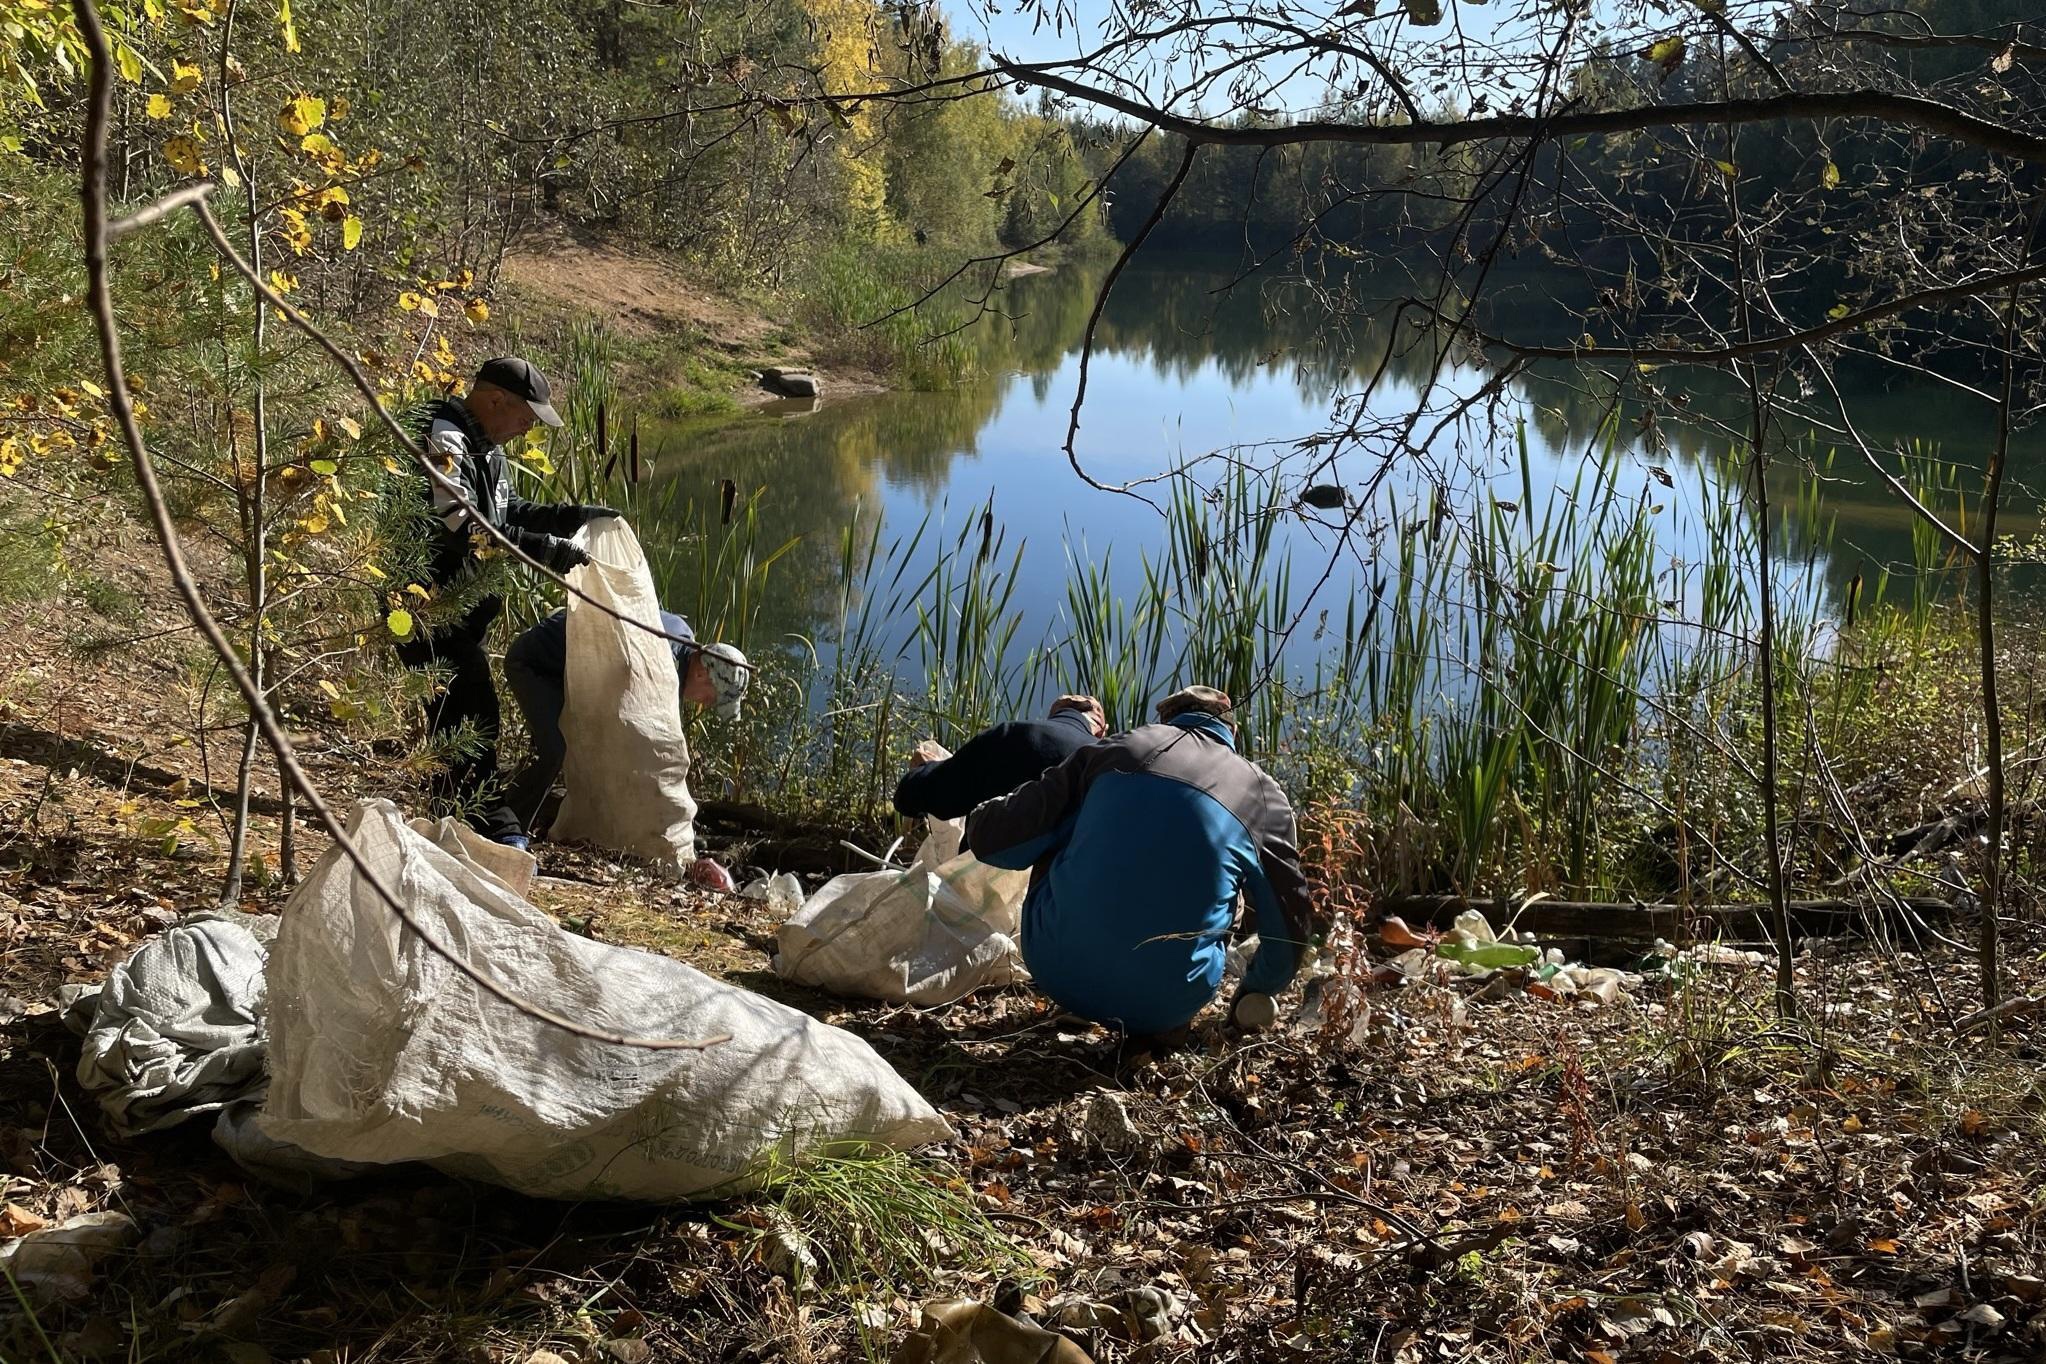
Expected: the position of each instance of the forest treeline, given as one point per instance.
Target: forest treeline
(1625, 217)
(420, 140)
(722, 130)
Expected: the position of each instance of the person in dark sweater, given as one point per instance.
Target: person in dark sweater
(536, 670)
(996, 761)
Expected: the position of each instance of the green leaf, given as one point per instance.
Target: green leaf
(325, 466)
(400, 623)
(1837, 311)
(130, 64)
(1727, 169)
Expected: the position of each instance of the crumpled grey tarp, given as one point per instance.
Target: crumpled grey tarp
(176, 1030)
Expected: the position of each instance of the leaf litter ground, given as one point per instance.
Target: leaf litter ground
(1473, 1175)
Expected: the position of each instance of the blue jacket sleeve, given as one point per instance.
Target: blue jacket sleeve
(1016, 831)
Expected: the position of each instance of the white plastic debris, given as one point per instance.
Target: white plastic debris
(783, 893)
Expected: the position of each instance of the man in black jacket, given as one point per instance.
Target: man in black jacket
(997, 761)
(465, 439)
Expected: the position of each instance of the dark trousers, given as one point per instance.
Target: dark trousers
(537, 685)
(468, 698)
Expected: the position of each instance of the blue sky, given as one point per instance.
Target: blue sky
(1014, 31)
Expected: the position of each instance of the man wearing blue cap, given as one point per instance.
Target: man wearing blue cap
(536, 667)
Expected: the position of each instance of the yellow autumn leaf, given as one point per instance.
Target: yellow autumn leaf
(130, 64)
(159, 106)
(185, 77)
(339, 108)
(478, 311)
(294, 231)
(183, 154)
(400, 623)
(301, 114)
(285, 27)
(351, 232)
(428, 306)
(316, 145)
(408, 302)
(351, 426)
(230, 177)
(282, 282)
(316, 524)
(1830, 176)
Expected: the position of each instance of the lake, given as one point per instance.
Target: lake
(1191, 375)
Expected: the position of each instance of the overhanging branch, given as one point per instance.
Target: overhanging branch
(1911, 111)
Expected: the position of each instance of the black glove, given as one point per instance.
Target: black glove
(563, 555)
(590, 511)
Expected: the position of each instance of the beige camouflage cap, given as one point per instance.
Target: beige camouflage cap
(1205, 700)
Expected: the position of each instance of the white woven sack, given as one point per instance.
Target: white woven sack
(931, 933)
(381, 1051)
(627, 767)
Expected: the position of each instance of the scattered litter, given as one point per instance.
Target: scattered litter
(929, 933)
(381, 1051)
(710, 874)
(783, 893)
(1471, 950)
(957, 1331)
(57, 1262)
(627, 766)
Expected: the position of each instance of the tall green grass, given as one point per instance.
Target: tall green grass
(1535, 693)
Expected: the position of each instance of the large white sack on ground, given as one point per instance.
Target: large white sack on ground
(627, 769)
(930, 933)
(382, 1051)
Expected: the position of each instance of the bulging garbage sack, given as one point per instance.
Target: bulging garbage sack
(382, 1051)
(627, 768)
(929, 933)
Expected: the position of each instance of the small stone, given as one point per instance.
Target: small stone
(1107, 1124)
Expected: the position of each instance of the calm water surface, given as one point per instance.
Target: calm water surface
(1189, 375)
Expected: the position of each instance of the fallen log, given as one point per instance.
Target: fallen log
(2010, 1008)
(1635, 920)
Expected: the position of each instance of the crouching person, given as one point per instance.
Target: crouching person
(1138, 847)
(536, 670)
(996, 761)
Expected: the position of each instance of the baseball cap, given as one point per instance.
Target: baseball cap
(729, 673)
(523, 379)
(1205, 700)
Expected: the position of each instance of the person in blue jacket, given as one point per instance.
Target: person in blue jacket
(996, 761)
(1138, 847)
(536, 670)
